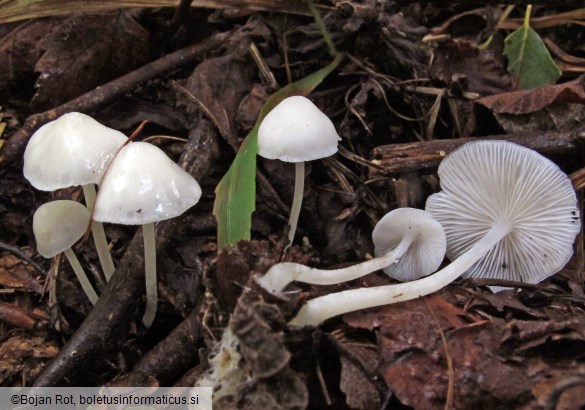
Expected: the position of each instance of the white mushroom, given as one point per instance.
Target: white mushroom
(515, 195)
(296, 131)
(74, 150)
(507, 211)
(409, 244)
(143, 186)
(57, 225)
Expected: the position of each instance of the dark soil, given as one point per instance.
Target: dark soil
(411, 78)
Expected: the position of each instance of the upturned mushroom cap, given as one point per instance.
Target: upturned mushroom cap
(57, 225)
(72, 150)
(143, 185)
(296, 131)
(497, 182)
(425, 253)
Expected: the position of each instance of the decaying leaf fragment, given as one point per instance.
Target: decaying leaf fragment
(528, 101)
(85, 51)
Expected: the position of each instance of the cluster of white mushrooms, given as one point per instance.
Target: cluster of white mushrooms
(138, 185)
(504, 212)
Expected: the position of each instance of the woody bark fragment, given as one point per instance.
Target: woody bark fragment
(425, 156)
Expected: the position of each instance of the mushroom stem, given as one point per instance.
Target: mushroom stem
(281, 274)
(322, 308)
(295, 208)
(150, 273)
(81, 276)
(99, 235)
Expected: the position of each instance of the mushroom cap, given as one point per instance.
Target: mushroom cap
(296, 131)
(486, 182)
(427, 250)
(143, 185)
(72, 150)
(57, 225)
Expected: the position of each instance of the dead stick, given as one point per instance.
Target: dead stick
(100, 96)
(175, 354)
(426, 156)
(19, 317)
(482, 3)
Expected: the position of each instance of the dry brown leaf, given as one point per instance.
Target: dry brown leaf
(524, 102)
(86, 51)
(21, 356)
(19, 52)
(16, 274)
(360, 391)
(479, 71)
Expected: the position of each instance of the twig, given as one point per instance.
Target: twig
(19, 317)
(322, 28)
(16, 251)
(100, 96)
(175, 353)
(561, 387)
(426, 156)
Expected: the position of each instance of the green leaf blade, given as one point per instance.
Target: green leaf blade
(235, 199)
(529, 60)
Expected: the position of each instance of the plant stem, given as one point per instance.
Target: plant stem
(295, 208)
(99, 235)
(149, 273)
(322, 28)
(527, 16)
(322, 308)
(81, 276)
(281, 274)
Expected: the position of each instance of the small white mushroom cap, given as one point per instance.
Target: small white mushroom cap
(57, 225)
(497, 182)
(143, 185)
(296, 131)
(425, 252)
(72, 150)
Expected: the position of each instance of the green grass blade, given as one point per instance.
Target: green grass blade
(235, 195)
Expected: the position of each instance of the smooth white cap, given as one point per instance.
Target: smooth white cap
(425, 253)
(143, 185)
(296, 131)
(485, 182)
(72, 150)
(57, 225)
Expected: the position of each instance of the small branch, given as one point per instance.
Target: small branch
(175, 354)
(19, 317)
(101, 96)
(482, 3)
(16, 251)
(426, 156)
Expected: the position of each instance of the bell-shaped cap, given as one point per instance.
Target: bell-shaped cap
(57, 225)
(427, 247)
(72, 150)
(489, 182)
(143, 185)
(296, 131)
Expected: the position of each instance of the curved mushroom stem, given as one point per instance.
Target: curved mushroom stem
(295, 208)
(99, 235)
(322, 308)
(281, 274)
(81, 276)
(149, 273)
